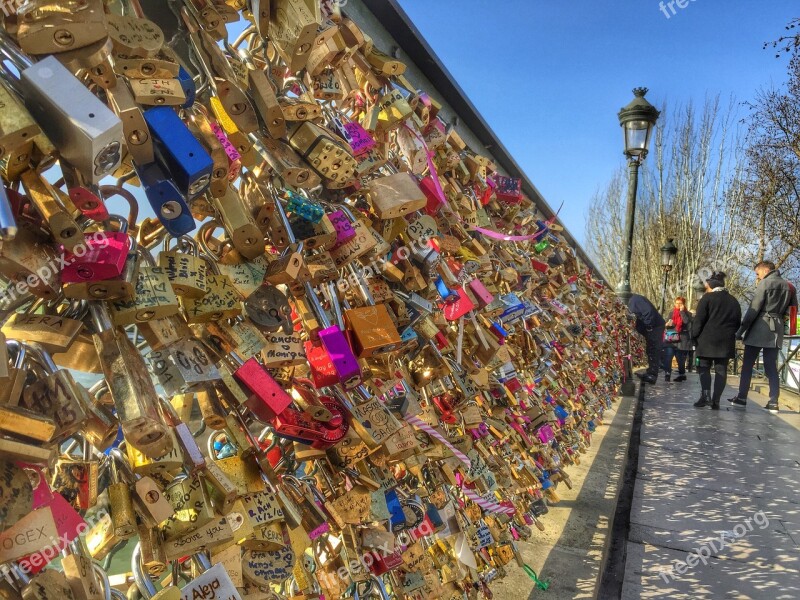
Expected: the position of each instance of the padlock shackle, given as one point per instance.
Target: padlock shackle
(284, 219)
(9, 49)
(316, 305)
(140, 579)
(330, 291)
(10, 81)
(109, 191)
(362, 286)
(38, 353)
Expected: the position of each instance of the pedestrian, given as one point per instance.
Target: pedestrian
(714, 333)
(650, 325)
(762, 330)
(677, 339)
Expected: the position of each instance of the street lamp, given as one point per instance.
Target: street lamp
(699, 288)
(637, 121)
(668, 253)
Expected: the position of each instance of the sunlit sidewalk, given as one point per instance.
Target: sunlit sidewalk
(716, 507)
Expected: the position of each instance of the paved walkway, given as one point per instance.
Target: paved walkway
(717, 500)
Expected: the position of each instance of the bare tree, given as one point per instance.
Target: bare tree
(681, 196)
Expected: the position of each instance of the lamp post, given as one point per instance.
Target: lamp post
(699, 288)
(637, 121)
(668, 253)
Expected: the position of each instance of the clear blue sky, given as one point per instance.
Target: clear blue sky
(550, 76)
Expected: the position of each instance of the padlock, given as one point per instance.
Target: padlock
(245, 235)
(16, 372)
(86, 580)
(187, 272)
(153, 297)
(224, 156)
(178, 151)
(165, 199)
(143, 583)
(221, 300)
(50, 205)
(76, 478)
(17, 126)
(287, 163)
(55, 332)
(46, 584)
(86, 132)
(301, 107)
(327, 156)
(56, 394)
(123, 516)
(131, 388)
(269, 308)
(293, 27)
(395, 196)
(370, 327)
(232, 106)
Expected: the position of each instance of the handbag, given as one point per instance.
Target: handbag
(671, 336)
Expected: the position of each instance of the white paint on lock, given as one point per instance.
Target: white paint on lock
(214, 584)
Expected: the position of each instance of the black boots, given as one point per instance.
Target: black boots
(705, 400)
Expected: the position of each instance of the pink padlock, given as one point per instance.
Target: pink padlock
(103, 256)
(88, 203)
(434, 194)
(456, 309)
(482, 295)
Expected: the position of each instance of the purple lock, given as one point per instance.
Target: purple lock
(545, 434)
(342, 357)
(362, 141)
(344, 228)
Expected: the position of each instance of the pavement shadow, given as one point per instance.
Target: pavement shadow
(586, 533)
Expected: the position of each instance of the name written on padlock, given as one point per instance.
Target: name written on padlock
(28, 535)
(282, 350)
(214, 584)
(262, 508)
(262, 568)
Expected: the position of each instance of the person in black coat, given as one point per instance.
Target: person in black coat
(714, 333)
(650, 325)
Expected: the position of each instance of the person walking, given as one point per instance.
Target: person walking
(762, 330)
(714, 333)
(677, 339)
(650, 325)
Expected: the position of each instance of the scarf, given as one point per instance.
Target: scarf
(677, 320)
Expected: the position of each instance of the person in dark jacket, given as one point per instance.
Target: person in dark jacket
(714, 333)
(649, 324)
(679, 321)
(762, 330)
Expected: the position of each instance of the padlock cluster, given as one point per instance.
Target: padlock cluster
(345, 357)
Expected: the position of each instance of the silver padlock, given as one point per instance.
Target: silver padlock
(87, 133)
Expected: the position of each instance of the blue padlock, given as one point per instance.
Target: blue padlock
(188, 85)
(179, 152)
(397, 518)
(166, 200)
